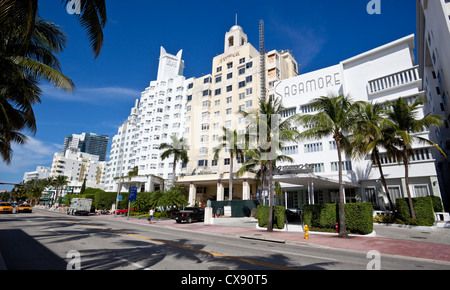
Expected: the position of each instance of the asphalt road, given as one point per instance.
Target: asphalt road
(45, 240)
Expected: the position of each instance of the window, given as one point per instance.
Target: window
(249, 79)
(346, 166)
(228, 111)
(421, 190)
(214, 163)
(229, 65)
(290, 150)
(248, 91)
(242, 60)
(318, 167)
(229, 76)
(229, 100)
(289, 112)
(218, 79)
(207, 80)
(249, 65)
(217, 103)
(229, 88)
(241, 84)
(206, 93)
(395, 192)
(371, 195)
(202, 163)
(241, 71)
(226, 161)
(219, 69)
(205, 126)
(315, 147)
(333, 145)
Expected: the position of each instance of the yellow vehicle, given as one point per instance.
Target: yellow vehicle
(24, 207)
(6, 207)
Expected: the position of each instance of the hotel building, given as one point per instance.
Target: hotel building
(382, 74)
(156, 116)
(213, 103)
(433, 44)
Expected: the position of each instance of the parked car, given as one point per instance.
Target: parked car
(6, 207)
(292, 215)
(189, 214)
(123, 211)
(24, 207)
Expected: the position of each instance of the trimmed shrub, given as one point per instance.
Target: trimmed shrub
(423, 207)
(320, 215)
(358, 217)
(278, 216)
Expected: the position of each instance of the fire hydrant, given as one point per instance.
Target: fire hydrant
(306, 232)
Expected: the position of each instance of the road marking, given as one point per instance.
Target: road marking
(139, 266)
(215, 254)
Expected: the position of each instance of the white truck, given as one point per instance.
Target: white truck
(80, 206)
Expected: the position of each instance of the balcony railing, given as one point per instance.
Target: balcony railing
(394, 80)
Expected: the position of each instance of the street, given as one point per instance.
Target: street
(46, 240)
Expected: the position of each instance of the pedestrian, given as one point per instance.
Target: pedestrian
(150, 216)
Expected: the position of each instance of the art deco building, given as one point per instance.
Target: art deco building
(213, 103)
(433, 45)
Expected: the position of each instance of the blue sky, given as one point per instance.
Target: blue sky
(319, 33)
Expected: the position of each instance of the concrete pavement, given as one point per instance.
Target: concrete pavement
(432, 243)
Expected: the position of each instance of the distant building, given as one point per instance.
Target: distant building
(40, 173)
(78, 166)
(88, 143)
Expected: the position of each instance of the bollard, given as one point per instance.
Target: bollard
(306, 232)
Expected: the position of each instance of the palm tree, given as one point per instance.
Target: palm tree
(372, 131)
(27, 47)
(59, 182)
(232, 142)
(34, 188)
(270, 132)
(177, 149)
(22, 66)
(92, 18)
(334, 118)
(407, 130)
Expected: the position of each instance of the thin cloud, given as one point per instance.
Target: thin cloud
(27, 157)
(92, 95)
(306, 43)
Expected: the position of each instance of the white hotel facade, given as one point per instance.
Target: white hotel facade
(382, 74)
(197, 108)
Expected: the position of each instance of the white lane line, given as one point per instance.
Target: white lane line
(133, 264)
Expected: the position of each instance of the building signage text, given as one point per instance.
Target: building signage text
(311, 85)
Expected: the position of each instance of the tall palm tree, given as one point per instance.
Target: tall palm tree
(178, 149)
(234, 143)
(407, 128)
(271, 132)
(27, 47)
(334, 117)
(22, 66)
(59, 182)
(372, 131)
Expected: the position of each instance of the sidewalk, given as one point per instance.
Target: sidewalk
(246, 228)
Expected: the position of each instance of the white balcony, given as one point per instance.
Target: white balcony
(393, 81)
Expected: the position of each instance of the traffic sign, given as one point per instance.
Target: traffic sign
(133, 194)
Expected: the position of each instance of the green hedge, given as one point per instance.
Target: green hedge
(278, 216)
(358, 217)
(423, 207)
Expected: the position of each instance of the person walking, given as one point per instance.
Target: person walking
(150, 215)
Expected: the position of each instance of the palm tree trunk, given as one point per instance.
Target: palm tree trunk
(406, 163)
(342, 226)
(174, 170)
(270, 224)
(383, 180)
(230, 182)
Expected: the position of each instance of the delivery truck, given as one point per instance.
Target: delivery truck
(80, 206)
